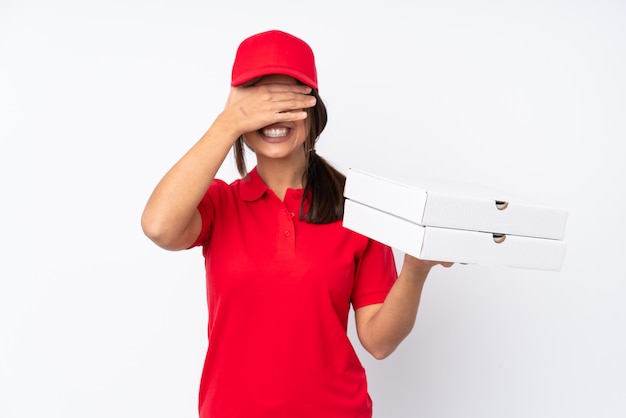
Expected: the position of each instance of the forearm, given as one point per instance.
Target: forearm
(172, 205)
(394, 319)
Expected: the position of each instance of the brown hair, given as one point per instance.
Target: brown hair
(323, 183)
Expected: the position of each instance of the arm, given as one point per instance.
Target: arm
(171, 218)
(382, 327)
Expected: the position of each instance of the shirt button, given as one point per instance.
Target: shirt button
(287, 233)
(291, 214)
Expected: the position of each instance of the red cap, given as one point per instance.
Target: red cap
(274, 52)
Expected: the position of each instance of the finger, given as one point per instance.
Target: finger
(290, 116)
(287, 88)
(291, 101)
(281, 92)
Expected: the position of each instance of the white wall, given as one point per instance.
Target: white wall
(99, 99)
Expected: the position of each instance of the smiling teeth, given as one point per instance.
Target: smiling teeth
(275, 132)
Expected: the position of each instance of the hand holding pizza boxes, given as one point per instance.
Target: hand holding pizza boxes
(441, 223)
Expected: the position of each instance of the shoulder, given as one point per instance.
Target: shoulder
(249, 188)
(220, 189)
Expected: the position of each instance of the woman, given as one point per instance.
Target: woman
(281, 270)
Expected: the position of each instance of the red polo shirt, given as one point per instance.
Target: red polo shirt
(279, 291)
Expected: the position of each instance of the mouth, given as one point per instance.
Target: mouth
(275, 132)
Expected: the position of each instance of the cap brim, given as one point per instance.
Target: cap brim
(273, 69)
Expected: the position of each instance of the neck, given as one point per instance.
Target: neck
(282, 174)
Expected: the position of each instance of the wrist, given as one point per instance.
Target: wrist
(416, 275)
(224, 129)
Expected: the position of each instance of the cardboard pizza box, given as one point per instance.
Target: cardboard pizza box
(455, 206)
(454, 245)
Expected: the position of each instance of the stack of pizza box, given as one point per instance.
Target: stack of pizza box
(448, 223)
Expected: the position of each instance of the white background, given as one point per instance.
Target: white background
(99, 99)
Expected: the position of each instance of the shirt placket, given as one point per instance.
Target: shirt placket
(287, 231)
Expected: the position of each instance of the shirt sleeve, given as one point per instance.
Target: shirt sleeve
(207, 208)
(375, 275)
